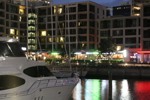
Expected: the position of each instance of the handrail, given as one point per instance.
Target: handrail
(41, 84)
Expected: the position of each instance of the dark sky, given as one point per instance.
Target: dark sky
(108, 3)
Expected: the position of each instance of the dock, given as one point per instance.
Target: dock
(118, 71)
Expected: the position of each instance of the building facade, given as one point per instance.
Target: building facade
(72, 24)
(13, 21)
(46, 27)
(131, 33)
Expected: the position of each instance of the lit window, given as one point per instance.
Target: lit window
(61, 39)
(43, 33)
(31, 21)
(12, 31)
(50, 39)
(137, 8)
(54, 9)
(79, 23)
(136, 14)
(57, 39)
(60, 10)
(31, 47)
(118, 8)
(20, 18)
(119, 48)
(21, 10)
(31, 34)
(83, 45)
(31, 41)
(31, 28)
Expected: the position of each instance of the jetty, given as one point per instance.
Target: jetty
(120, 71)
(117, 70)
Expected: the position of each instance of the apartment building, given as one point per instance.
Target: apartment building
(123, 10)
(13, 21)
(131, 33)
(125, 31)
(73, 24)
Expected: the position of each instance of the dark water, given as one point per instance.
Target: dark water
(97, 89)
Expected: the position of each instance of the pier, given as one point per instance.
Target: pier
(119, 71)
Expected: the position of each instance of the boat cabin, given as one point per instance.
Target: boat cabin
(9, 47)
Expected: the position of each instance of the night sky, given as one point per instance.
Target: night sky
(109, 3)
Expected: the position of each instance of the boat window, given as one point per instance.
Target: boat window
(16, 49)
(38, 71)
(8, 82)
(11, 49)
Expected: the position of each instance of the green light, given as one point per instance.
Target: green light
(54, 53)
(95, 52)
(96, 89)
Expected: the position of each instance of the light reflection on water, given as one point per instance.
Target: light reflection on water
(96, 89)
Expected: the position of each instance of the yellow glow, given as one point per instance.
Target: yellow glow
(31, 21)
(61, 39)
(54, 9)
(118, 8)
(31, 34)
(79, 23)
(118, 48)
(83, 44)
(60, 10)
(12, 31)
(31, 40)
(137, 8)
(63, 24)
(50, 39)
(21, 10)
(136, 14)
(20, 18)
(43, 33)
(32, 15)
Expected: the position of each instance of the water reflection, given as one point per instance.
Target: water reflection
(96, 89)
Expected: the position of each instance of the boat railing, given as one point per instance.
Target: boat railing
(41, 84)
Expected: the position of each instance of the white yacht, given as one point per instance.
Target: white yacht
(24, 79)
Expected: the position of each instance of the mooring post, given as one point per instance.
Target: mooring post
(110, 83)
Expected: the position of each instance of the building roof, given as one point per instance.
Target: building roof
(8, 39)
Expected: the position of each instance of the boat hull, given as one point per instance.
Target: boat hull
(51, 93)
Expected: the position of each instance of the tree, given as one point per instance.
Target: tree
(107, 47)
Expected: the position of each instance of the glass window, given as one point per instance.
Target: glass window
(119, 40)
(130, 32)
(130, 23)
(130, 40)
(146, 34)
(146, 44)
(104, 24)
(8, 82)
(105, 33)
(38, 71)
(117, 23)
(117, 32)
(11, 49)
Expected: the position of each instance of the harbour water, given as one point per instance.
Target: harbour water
(124, 89)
